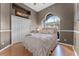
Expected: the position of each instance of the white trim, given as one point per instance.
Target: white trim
(76, 31)
(47, 14)
(5, 30)
(66, 30)
(69, 31)
(66, 44)
(5, 48)
(75, 51)
(59, 30)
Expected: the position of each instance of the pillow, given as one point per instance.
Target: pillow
(44, 31)
(48, 31)
(28, 35)
(34, 31)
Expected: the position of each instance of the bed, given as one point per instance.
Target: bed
(40, 44)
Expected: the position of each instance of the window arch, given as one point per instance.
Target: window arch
(51, 21)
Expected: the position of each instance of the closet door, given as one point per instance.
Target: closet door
(26, 26)
(20, 28)
(16, 28)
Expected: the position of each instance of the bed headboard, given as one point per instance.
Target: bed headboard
(48, 31)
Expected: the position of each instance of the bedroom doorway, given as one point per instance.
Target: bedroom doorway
(52, 21)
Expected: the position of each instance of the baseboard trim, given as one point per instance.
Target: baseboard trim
(66, 44)
(5, 48)
(75, 51)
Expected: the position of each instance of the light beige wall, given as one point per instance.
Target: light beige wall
(66, 13)
(76, 28)
(5, 25)
(5, 16)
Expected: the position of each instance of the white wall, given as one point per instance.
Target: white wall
(20, 27)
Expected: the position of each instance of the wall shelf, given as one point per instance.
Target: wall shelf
(21, 12)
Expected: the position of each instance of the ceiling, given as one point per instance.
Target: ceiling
(38, 6)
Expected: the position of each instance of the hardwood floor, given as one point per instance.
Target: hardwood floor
(16, 50)
(63, 50)
(19, 50)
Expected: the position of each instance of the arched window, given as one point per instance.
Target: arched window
(51, 21)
